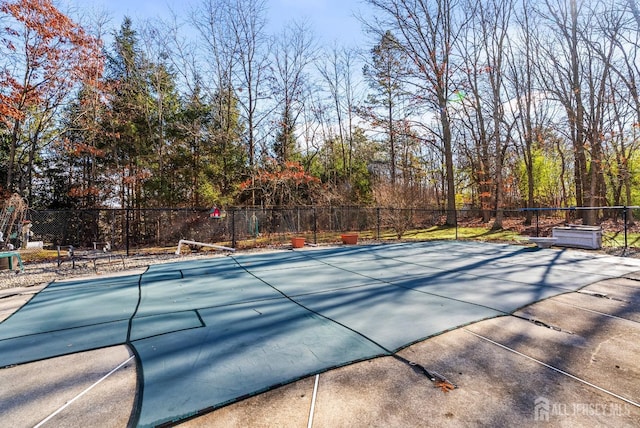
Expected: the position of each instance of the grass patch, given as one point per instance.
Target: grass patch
(39, 255)
(616, 239)
(449, 233)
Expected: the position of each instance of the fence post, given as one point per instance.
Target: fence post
(233, 228)
(455, 216)
(624, 218)
(126, 213)
(315, 226)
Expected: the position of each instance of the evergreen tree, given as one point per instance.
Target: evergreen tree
(384, 111)
(75, 173)
(285, 142)
(189, 134)
(161, 113)
(208, 156)
(127, 134)
(228, 130)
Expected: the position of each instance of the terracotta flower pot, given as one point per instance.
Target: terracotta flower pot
(349, 238)
(297, 242)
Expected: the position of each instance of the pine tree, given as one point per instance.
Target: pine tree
(385, 75)
(127, 134)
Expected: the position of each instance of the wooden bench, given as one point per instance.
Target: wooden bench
(10, 255)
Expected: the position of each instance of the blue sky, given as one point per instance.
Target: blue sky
(331, 20)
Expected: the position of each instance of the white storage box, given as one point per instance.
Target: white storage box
(578, 236)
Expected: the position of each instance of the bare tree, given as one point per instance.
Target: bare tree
(622, 27)
(337, 73)
(521, 69)
(426, 31)
(528, 106)
(496, 18)
(293, 52)
(236, 48)
(577, 77)
(247, 20)
(483, 49)
(635, 12)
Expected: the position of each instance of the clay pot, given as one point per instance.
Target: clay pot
(349, 238)
(297, 242)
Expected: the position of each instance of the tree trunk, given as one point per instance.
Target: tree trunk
(448, 159)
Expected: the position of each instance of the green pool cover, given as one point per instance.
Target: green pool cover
(210, 332)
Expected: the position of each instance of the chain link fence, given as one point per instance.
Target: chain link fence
(153, 231)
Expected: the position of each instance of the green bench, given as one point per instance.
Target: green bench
(10, 255)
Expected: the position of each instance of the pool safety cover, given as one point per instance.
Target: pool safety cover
(210, 332)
